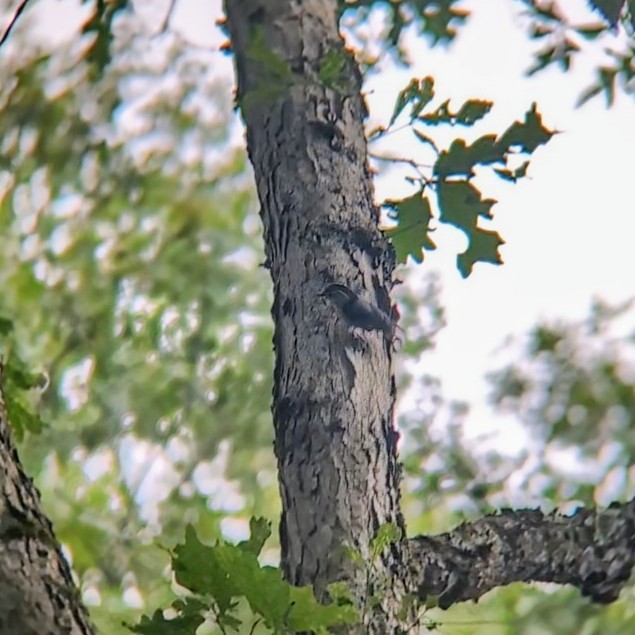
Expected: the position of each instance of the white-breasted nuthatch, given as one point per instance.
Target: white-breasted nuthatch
(357, 313)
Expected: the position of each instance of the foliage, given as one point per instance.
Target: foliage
(128, 247)
(218, 576)
(459, 201)
(561, 40)
(572, 386)
(100, 27)
(17, 382)
(437, 20)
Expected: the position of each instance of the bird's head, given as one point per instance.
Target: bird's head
(338, 294)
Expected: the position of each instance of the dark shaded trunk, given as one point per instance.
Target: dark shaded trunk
(37, 592)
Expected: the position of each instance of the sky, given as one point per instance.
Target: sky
(568, 228)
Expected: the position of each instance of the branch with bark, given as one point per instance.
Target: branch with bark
(593, 550)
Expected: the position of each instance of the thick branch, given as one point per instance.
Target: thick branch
(593, 550)
(37, 592)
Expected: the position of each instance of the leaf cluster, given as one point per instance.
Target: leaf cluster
(436, 20)
(128, 267)
(459, 202)
(218, 577)
(18, 383)
(561, 40)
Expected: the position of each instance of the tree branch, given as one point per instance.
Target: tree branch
(593, 550)
(19, 10)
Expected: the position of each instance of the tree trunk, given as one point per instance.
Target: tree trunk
(334, 390)
(37, 592)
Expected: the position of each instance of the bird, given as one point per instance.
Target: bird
(356, 312)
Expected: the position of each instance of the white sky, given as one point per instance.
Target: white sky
(568, 229)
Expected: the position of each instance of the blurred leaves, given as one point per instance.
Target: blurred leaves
(573, 385)
(561, 40)
(17, 382)
(99, 26)
(436, 20)
(128, 252)
(220, 575)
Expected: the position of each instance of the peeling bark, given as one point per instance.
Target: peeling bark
(37, 593)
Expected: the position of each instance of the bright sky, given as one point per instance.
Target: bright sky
(568, 229)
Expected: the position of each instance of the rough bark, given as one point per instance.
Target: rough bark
(37, 592)
(334, 390)
(593, 550)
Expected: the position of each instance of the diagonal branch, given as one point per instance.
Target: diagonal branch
(16, 15)
(593, 550)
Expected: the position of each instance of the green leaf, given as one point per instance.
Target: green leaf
(483, 247)
(544, 57)
(225, 571)
(158, 625)
(607, 81)
(263, 587)
(332, 67)
(548, 11)
(411, 235)
(513, 175)
(418, 93)
(460, 158)
(473, 110)
(259, 532)
(386, 535)
(307, 614)
(469, 113)
(198, 567)
(20, 417)
(539, 30)
(591, 31)
(588, 94)
(17, 373)
(100, 25)
(528, 134)
(461, 204)
(6, 326)
(610, 10)
(340, 593)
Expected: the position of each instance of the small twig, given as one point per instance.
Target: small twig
(166, 20)
(13, 21)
